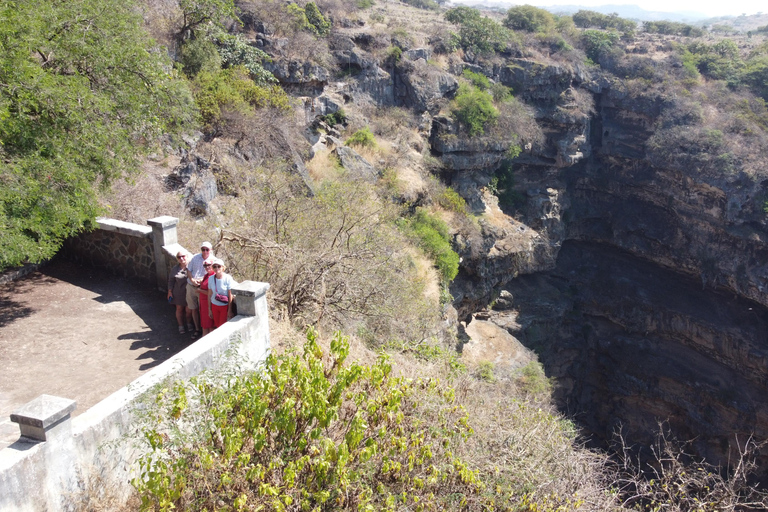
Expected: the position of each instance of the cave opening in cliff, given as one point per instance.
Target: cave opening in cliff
(631, 344)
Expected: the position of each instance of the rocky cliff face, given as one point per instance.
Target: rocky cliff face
(641, 280)
(656, 309)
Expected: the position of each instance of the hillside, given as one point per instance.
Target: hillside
(474, 192)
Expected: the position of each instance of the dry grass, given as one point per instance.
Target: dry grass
(144, 195)
(324, 166)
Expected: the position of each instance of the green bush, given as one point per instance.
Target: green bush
(309, 432)
(529, 19)
(232, 89)
(485, 371)
(503, 182)
(474, 109)
(235, 51)
(452, 201)
(198, 55)
(477, 79)
(424, 4)
(534, 380)
(462, 14)
(394, 54)
(319, 24)
(433, 237)
(363, 138)
(309, 19)
(598, 43)
(500, 93)
(338, 117)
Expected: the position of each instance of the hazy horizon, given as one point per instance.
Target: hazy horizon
(707, 9)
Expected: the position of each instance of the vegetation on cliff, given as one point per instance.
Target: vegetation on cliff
(372, 252)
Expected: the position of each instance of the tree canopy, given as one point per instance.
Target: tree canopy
(82, 89)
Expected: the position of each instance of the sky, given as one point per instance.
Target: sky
(708, 7)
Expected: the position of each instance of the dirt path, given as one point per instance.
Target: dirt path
(78, 333)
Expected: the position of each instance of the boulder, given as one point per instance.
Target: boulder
(420, 86)
(357, 166)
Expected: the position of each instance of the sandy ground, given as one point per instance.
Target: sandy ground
(78, 333)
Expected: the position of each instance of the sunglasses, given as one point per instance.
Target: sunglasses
(183, 256)
(206, 264)
(204, 249)
(216, 266)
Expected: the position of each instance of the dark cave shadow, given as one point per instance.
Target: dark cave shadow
(618, 330)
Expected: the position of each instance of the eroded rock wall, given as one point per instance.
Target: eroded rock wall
(657, 308)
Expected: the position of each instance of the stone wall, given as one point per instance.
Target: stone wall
(128, 250)
(56, 456)
(123, 248)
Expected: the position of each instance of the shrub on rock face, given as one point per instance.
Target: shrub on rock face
(432, 234)
(363, 138)
(474, 109)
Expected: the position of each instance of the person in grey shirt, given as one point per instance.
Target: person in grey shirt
(195, 274)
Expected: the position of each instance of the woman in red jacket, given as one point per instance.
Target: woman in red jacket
(206, 322)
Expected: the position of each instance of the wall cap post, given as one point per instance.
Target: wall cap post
(247, 293)
(38, 417)
(163, 234)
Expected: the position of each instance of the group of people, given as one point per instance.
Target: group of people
(201, 290)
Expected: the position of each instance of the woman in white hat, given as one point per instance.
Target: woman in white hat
(220, 294)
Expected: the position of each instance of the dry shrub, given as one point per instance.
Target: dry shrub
(530, 451)
(677, 481)
(386, 121)
(144, 195)
(516, 118)
(97, 494)
(335, 258)
(298, 44)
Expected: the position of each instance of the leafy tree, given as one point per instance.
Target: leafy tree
(461, 14)
(81, 88)
(196, 14)
(593, 19)
(529, 19)
(598, 43)
(478, 33)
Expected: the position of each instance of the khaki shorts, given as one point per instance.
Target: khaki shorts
(193, 297)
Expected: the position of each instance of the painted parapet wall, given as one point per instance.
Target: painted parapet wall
(93, 449)
(126, 249)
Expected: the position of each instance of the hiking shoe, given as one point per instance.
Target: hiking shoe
(181, 330)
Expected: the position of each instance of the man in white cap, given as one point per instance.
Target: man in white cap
(195, 273)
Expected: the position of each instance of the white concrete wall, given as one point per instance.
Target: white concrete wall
(44, 476)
